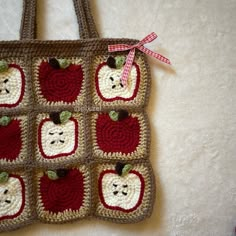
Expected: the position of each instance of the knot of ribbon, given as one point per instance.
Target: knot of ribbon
(130, 58)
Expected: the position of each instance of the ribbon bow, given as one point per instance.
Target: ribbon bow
(130, 58)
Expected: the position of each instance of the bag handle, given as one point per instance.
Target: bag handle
(87, 28)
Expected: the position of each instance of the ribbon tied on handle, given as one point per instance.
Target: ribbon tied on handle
(130, 58)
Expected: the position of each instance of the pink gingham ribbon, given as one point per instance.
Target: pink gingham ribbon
(130, 58)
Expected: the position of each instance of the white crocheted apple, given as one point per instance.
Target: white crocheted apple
(11, 197)
(11, 85)
(57, 140)
(122, 192)
(108, 81)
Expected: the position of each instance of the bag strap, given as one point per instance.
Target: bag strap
(87, 28)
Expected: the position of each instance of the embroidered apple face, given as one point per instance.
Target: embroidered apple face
(12, 85)
(12, 197)
(108, 81)
(63, 190)
(60, 80)
(58, 139)
(117, 134)
(10, 139)
(121, 191)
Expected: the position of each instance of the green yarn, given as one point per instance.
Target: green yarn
(126, 169)
(3, 66)
(120, 60)
(4, 176)
(114, 115)
(64, 63)
(5, 120)
(65, 116)
(52, 175)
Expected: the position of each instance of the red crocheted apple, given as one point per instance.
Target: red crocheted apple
(117, 136)
(10, 140)
(64, 193)
(108, 82)
(12, 85)
(12, 197)
(60, 84)
(119, 191)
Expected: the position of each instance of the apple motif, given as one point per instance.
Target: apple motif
(121, 136)
(121, 189)
(12, 197)
(108, 81)
(60, 83)
(10, 140)
(63, 193)
(12, 86)
(56, 140)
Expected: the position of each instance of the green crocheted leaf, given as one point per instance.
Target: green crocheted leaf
(64, 63)
(120, 60)
(114, 115)
(5, 120)
(4, 177)
(3, 66)
(52, 175)
(126, 169)
(65, 116)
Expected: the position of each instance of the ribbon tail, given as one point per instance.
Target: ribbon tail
(127, 67)
(155, 55)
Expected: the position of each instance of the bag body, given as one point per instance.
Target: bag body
(74, 142)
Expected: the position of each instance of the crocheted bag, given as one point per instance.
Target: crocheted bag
(74, 134)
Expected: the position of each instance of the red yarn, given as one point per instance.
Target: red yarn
(23, 199)
(117, 207)
(60, 84)
(22, 86)
(10, 141)
(117, 98)
(117, 136)
(60, 154)
(64, 193)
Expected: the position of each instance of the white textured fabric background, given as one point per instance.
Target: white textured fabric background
(192, 108)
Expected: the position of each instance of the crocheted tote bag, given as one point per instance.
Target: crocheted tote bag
(74, 134)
